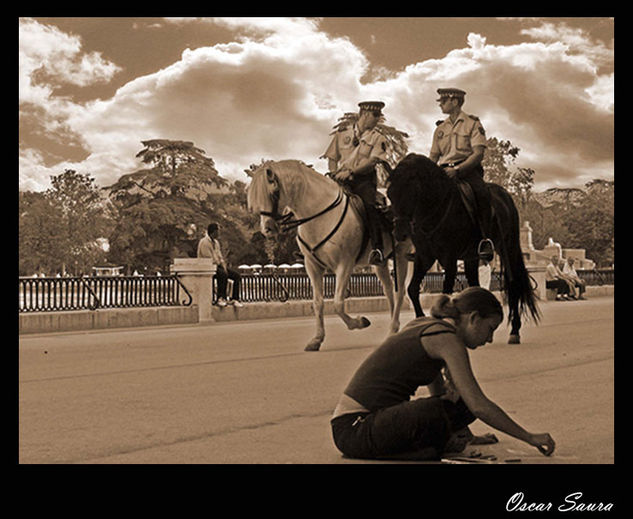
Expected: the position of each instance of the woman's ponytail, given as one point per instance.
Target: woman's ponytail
(471, 299)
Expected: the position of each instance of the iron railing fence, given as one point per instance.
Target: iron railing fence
(256, 287)
(597, 277)
(89, 293)
(296, 286)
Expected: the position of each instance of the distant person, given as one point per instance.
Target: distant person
(570, 282)
(209, 247)
(570, 272)
(376, 418)
(554, 280)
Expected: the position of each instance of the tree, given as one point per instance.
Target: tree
(591, 222)
(60, 228)
(167, 156)
(39, 224)
(165, 210)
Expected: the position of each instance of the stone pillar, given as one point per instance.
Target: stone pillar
(197, 275)
(526, 237)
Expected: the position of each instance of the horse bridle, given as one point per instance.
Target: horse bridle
(286, 222)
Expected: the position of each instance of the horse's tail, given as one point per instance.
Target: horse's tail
(516, 278)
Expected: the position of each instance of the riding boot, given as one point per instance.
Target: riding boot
(486, 248)
(376, 256)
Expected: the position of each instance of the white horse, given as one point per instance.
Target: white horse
(330, 235)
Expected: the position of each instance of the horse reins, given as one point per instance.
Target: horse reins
(286, 222)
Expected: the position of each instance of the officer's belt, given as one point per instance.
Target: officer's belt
(452, 164)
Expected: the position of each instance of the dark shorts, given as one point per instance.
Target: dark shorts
(417, 429)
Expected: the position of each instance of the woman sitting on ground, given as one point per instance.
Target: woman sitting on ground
(376, 417)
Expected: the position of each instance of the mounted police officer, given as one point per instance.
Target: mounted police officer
(357, 171)
(458, 146)
(344, 141)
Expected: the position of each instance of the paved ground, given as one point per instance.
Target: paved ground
(247, 392)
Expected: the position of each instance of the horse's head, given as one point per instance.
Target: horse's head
(402, 190)
(263, 197)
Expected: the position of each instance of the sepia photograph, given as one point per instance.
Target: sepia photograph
(367, 245)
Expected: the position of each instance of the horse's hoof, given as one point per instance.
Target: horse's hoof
(514, 339)
(364, 322)
(313, 345)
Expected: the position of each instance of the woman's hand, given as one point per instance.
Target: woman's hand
(543, 442)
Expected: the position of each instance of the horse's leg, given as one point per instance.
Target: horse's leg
(420, 267)
(315, 272)
(471, 269)
(401, 265)
(387, 284)
(450, 273)
(343, 273)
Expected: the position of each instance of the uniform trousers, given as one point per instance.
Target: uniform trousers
(366, 190)
(475, 178)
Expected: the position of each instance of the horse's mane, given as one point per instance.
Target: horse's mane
(419, 180)
(292, 174)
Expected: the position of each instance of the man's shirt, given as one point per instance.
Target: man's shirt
(210, 248)
(342, 144)
(455, 142)
(372, 144)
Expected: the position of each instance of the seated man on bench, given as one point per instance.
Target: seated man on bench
(209, 247)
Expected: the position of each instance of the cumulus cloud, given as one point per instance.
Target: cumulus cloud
(48, 56)
(276, 91)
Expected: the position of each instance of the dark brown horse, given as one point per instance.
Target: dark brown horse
(428, 208)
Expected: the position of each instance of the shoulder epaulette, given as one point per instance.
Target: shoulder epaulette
(380, 128)
(474, 117)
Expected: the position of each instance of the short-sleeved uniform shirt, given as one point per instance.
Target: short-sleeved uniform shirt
(342, 144)
(372, 144)
(455, 142)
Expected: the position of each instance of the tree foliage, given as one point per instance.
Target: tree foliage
(158, 213)
(60, 229)
(165, 210)
(575, 218)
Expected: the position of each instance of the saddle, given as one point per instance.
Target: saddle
(384, 211)
(470, 202)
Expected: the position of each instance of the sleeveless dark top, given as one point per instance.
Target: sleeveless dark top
(393, 372)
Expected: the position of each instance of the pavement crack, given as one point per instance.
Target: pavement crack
(198, 437)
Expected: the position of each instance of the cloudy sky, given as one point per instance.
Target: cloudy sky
(243, 89)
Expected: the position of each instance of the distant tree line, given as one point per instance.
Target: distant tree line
(157, 213)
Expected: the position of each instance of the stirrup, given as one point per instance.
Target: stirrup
(376, 257)
(486, 250)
